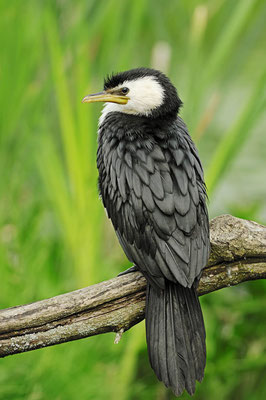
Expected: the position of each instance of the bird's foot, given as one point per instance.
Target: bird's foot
(128, 271)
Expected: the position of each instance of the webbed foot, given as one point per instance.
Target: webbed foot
(128, 271)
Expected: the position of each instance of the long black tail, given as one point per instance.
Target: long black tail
(175, 336)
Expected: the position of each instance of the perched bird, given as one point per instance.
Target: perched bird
(152, 186)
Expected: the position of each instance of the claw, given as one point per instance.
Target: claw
(128, 271)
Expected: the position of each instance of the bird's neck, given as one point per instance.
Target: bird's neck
(130, 126)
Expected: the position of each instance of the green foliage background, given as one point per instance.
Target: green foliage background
(54, 236)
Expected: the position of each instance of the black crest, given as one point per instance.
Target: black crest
(171, 103)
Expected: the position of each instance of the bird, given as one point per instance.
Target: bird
(151, 183)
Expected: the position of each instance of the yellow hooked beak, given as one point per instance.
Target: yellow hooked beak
(105, 97)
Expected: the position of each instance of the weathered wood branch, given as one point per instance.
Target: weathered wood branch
(238, 255)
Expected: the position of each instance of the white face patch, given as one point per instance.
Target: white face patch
(145, 94)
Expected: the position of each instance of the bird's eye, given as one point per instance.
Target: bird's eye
(124, 90)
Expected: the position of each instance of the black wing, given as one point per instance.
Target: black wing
(157, 202)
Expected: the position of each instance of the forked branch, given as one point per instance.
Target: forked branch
(238, 255)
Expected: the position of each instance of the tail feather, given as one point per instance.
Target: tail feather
(175, 336)
(197, 324)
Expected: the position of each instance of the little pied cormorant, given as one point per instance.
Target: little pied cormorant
(152, 186)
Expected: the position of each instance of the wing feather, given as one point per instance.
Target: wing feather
(160, 215)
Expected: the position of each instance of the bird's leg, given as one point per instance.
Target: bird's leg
(129, 270)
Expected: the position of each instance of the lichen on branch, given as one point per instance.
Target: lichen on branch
(238, 254)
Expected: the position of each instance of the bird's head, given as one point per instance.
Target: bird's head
(142, 91)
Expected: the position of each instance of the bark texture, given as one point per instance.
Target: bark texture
(238, 254)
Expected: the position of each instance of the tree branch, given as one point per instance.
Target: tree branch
(238, 255)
